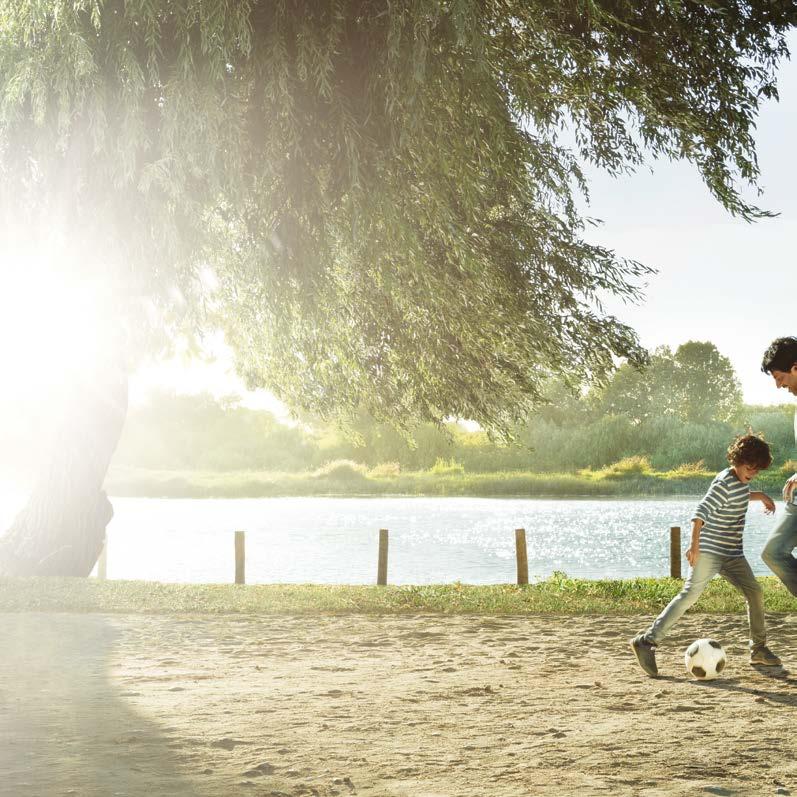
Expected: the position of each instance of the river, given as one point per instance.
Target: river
(432, 540)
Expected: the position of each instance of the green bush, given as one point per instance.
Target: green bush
(342, 470)
(628, 466)
(385, 470)
(446, 467)
(688, 469)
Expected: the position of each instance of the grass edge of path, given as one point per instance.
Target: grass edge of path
(555, 595)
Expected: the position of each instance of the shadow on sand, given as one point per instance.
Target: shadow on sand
(780, 675)
(64, 727)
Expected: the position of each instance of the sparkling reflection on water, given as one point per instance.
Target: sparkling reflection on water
(432, 540)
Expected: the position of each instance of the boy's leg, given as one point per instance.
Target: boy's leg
(708, 565)
(737, 570)
(777, 553)
(644, 644)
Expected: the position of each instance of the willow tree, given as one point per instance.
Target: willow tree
(373, 199)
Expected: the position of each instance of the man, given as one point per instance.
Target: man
(780, 361)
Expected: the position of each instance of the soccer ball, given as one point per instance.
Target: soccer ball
(705, 659)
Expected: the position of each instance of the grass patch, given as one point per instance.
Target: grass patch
(556, 595)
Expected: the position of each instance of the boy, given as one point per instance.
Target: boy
(716, 547)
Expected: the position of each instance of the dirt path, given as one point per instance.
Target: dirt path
(424, 706)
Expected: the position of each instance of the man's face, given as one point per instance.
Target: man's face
(787, 379)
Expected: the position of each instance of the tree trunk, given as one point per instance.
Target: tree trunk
(61, 530)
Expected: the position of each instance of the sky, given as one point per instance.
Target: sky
(718, 278)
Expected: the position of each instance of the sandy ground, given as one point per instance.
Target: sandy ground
(425, 705)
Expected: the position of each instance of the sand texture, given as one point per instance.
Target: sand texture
(359, 705)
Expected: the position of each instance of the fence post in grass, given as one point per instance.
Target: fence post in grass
(675, 551)
(522, 557)
(381, 570)
(102, 562)
(240, 557)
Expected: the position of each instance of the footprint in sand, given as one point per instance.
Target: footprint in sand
(227, 743)
(685, 708)
(623, 707)
(261, 769)
(476, 691)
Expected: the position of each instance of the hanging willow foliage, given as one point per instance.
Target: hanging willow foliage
(381, 190)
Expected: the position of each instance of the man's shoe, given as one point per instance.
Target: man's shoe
(645, 652)
(761, 654)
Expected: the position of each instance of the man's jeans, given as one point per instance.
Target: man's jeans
(777, 553)
(735, 569)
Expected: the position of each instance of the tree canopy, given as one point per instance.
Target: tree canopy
(374, 199)
(695, 384)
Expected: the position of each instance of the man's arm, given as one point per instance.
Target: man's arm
(791, 484)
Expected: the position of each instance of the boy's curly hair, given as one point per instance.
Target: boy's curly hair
(750, 449)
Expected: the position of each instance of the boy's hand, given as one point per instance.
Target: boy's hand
(769, 504)
(691, 555)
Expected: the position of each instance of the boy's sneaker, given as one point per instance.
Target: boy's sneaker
(761, 654)
(645, 652)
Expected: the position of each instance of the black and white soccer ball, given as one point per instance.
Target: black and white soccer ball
(705, 659)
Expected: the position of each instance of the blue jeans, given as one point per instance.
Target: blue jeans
(735, 569)
(777, 553)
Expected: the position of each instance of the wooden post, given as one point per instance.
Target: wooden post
(675, 551)
(381, 570)
(102, 562)
(522, 557)
(240, 558)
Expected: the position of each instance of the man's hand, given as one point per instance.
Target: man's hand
(691, 555)
(789, 487)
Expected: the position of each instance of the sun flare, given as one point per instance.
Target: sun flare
(51, 328)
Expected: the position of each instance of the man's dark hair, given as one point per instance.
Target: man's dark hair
(750, 449)
(780, 356)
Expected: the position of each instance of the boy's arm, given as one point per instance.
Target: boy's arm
(693, 551)
(769, 504)
(716, 497)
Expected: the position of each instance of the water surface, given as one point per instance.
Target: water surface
(432, 540)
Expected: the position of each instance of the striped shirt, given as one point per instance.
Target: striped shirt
(722, 511)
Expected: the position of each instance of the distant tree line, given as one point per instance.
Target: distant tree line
(681, 409)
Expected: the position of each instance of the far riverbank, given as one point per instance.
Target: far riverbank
(346, 480)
